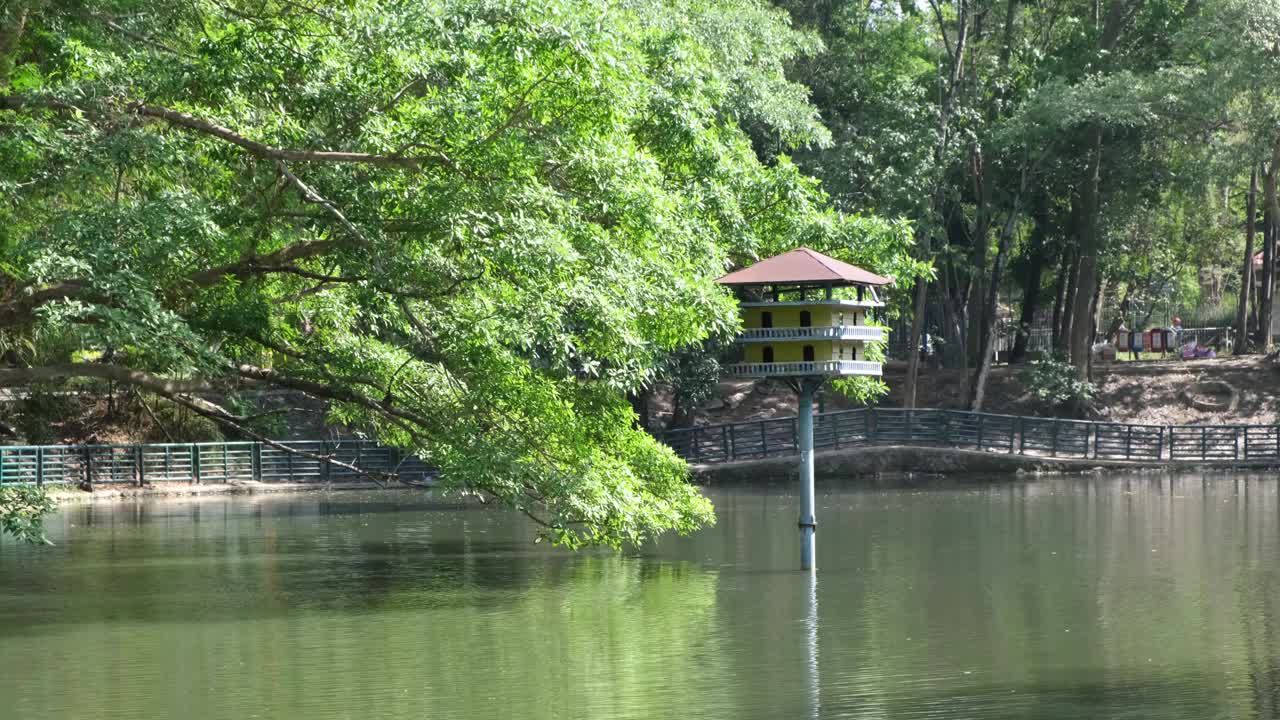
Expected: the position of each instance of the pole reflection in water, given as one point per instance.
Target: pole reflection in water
(811, 648)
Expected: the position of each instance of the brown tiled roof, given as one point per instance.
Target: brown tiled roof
(800, 266)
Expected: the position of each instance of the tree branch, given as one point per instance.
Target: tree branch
(268, 152)
(11, 377)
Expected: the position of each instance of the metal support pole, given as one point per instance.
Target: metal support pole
(808, 523)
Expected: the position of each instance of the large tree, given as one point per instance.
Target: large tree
(471, 226)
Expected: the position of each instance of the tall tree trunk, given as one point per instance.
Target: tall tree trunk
(1037, 256)
(940, 153)
(1095, 313)
(1060, 296)
(1270, 214)
(984, 186)
(1089, 240)
(987, 335)
(975, 301)
(1246, 273)
(1095, 317)
(1253, 312)
(917, 331)
(13, 20)
(956, 287)
(1069, 302)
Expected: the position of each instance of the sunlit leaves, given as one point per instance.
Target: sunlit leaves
(22, 512)
(574, 177)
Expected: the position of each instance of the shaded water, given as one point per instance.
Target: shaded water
(1152, 597)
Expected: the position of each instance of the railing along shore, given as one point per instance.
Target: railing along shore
(1031, 436)
(204, 463)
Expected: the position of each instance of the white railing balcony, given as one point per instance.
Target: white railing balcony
(793, 369)
(839, 332)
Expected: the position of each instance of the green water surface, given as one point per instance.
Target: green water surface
(1149, 597)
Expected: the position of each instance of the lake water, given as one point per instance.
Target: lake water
(1148, 597)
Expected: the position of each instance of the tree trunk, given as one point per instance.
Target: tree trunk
(979, 308)
(940, 152)
(1123, 309)
(1270, 214)
(1246, 273)
(1088, 242)
(1060, 296)
(1096, 316)
(1069, 302)
(987, 339)
(975, 301)
(12, 22)
(955, 324)
(913, 342)
(1094, 313)
(1037, 256)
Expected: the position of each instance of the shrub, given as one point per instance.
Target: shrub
(1054, 381)
(22, 512)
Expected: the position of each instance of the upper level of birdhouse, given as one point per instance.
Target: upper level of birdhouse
(805, 314)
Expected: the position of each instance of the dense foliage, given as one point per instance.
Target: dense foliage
(22, 512)
(471, 226)
(1065, 163)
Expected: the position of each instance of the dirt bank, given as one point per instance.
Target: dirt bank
(1150, 392)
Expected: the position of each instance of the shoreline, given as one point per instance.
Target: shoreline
(181, 490)
(877, 460)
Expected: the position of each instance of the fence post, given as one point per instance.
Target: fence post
(911, 414)
(764, 441)
(835, 430)
(1235, 444)
(138, 463)
(1204, 442)
(195, 463)
(1128, 442)
(979, 416)
(733, 442)
(39, 466)
(1091, 428)
(873, 427)
(256, 461)
(324, 455)
(1160, 445)
(1014, 425)
(1053, 448)
(724, 441)
(88, 466)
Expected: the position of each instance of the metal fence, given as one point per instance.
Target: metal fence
(1031, 436)
(203, 463)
